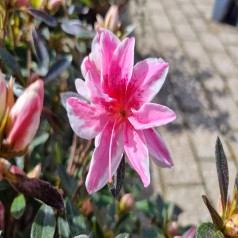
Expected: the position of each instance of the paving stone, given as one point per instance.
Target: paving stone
(168, 41)
(195, 52)
(176, 16)
(168, 4)
(189, 199)
(213, 83)
(203, 140)
(205, 10)
(225, 111)
(161, 23)
(228, 38)
(233, 86)
(189, 10)
(233, 51)
(184, 32)
(224, 64)
(211, 43)
(185, 170)
(154, 8)
(198, 24)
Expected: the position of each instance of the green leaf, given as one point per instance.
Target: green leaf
(208, 230)
(217, 220)
(39, 140)
(153, 232)
(82, 236)
(63, 227)
(10, 63)
(75, 219)
(123, 235)
(43, 16)
(76, 28)
(58, 67)
(68, 182)
(222, 172)
(40, 51)
(18, 206)
(44, 223)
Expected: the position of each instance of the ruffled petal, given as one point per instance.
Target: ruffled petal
(147, 79)
(151, 115)
(121, 68)
(84, 119)
(157, 148)
(137, 152)
(98, 174)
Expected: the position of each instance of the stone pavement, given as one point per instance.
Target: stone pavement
(202, 88)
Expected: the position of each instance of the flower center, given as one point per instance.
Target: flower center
(123, 113)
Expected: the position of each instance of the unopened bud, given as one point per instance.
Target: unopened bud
(35, 172)
(86, 208)
(4, 167)
(231, 226)
(3, 97)
(173, 228)
(126, 202)
(112, 18)
(53, 5)
(24, 117)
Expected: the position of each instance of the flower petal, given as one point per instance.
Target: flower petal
(108, 43)
(82, 89)
(151, 115)
(137, 152)
(84, 119)
(121, 68)
(157, 148)
(89, 66)
(148, 76)
(98, 174)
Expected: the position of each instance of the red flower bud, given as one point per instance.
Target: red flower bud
(24, 117)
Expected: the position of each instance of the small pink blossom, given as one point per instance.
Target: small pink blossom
(120, 114)
(24, 117)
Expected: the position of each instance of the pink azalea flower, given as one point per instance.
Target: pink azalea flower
(119, 114)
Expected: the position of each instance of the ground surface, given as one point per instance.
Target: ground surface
(202, 88)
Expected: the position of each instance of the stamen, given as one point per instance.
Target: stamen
(110, 181)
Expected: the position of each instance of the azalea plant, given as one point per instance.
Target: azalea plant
(77, 125)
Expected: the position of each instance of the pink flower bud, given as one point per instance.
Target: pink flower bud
(35, 172)
(112, 18)
(54, 4)
(173, 228)
(3, 97)
(22, 3)
(15, 170)
(126, 202)
(4, 167)
(24, 117)
(2, 216)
